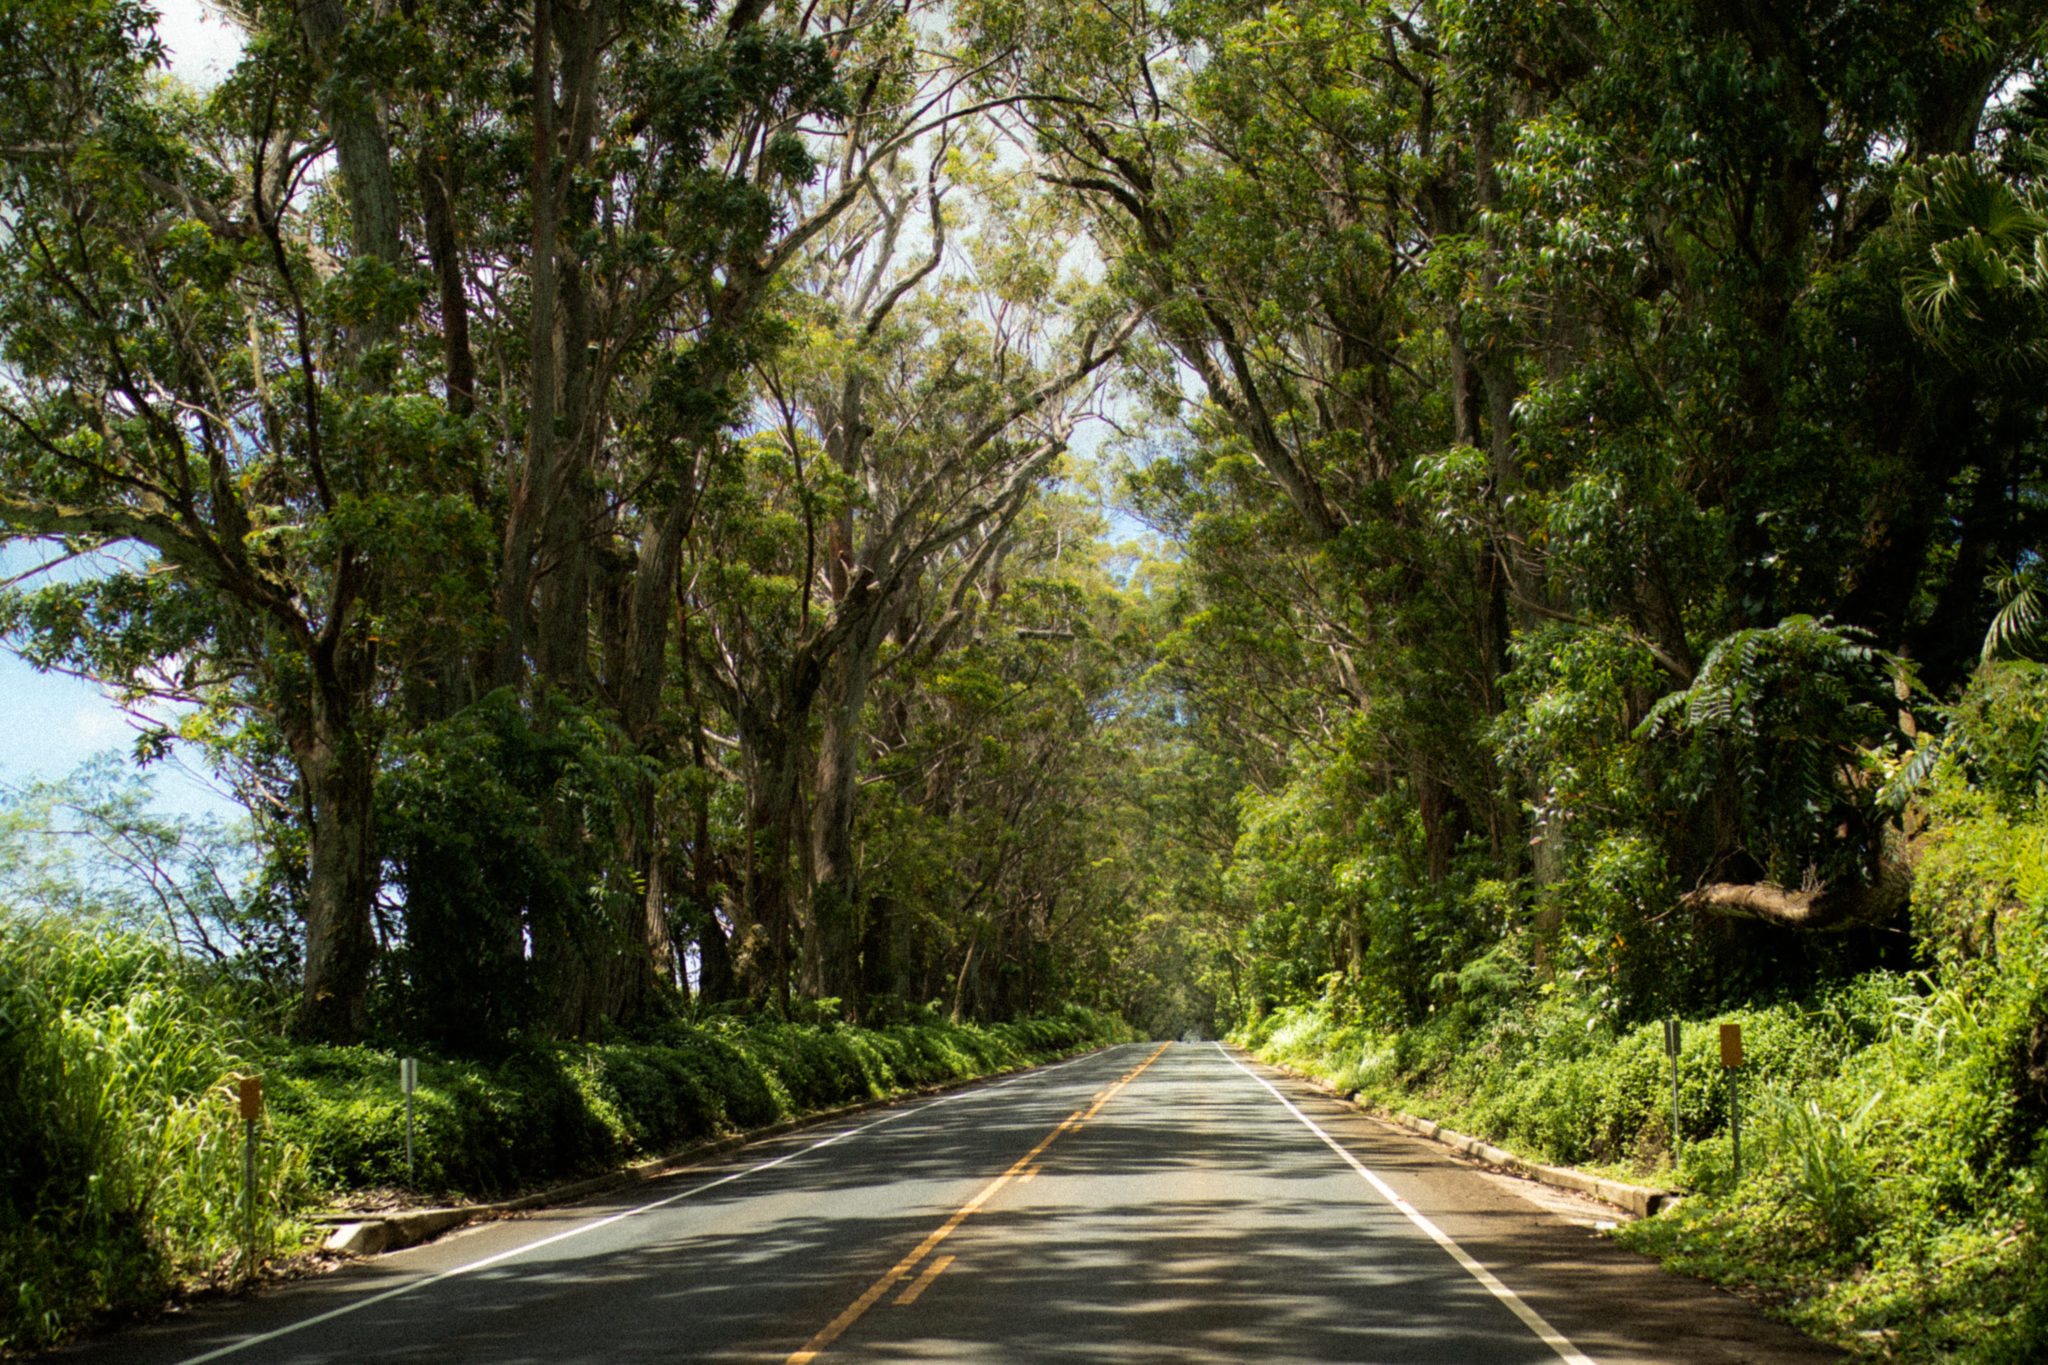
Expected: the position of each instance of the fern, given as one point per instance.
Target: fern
(1658, 722)
(2037, 757)
(1788, 717)
(1912, 775)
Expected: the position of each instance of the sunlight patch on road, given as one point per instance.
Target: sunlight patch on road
(854, 1311)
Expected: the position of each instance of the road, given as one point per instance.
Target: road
(1143, 1203)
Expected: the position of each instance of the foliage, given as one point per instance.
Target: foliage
(1790, 720)
(122, 1170)
(93, 848)
(491, 821)
(485, 1130)
(622, 530)
(1893, 1131)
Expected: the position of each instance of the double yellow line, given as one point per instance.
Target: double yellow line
(832, 1330)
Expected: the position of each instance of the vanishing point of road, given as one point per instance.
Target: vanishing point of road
(1142, 1203)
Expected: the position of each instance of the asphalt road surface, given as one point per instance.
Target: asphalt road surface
(1141, 1203)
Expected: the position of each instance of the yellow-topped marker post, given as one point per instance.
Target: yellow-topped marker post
(251, 1093)
(1731, 1060)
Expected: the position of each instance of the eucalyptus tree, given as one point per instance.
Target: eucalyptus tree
(407, 355)
(191, 370)
(1517, 356)
(1298, 194)
(992, 846)
(940, 379)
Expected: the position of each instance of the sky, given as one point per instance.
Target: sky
(50, 723)
(203, 42)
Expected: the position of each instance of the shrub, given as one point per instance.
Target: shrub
(121, 1173)
(487, 1129)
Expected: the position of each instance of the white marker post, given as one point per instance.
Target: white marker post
(1672, 1040)
(408, 1081)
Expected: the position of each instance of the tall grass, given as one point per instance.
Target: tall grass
(120, 1150)
(1826, 1166)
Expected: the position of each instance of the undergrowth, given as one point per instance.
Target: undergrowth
(487, 1129)
(1894, 1168)
(120, 1154)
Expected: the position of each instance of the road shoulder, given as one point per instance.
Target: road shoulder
(1615, 1305)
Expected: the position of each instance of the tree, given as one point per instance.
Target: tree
(909, 432)
(436, 423)
(187, 377)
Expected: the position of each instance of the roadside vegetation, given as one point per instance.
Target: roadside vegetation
(490, 1129)
(1892, 1137)
(122, 1173)
(1894, 1090)
(1894, 1104)
(122, 1180)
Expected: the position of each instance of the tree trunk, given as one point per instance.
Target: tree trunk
(715, 978)
(762, 955)
(1818, 910)
(338, 768)
(1435, 803)
(530, 483)
(835, 892)
(636, 640)
(361, 151)
(959, 1013)
(664, 974)
(881, 973)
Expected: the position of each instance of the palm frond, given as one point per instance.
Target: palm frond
(2018, 620)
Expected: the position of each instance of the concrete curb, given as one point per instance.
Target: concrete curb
(370, 1235)
(1640, 1200)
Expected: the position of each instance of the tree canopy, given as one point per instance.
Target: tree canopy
(639, 497)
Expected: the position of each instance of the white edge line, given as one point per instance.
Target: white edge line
(577, 1231)
(1531, 1319)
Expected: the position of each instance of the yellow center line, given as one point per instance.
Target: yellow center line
(923, 1282)
(832, 1330)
